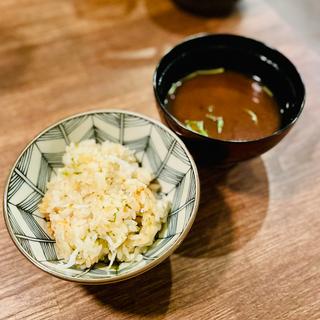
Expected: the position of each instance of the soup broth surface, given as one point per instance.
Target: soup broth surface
(224, 104)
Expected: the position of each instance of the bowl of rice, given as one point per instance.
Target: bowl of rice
(101, 196)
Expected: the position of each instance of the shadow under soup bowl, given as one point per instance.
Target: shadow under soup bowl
(150, 147)
(229, 98)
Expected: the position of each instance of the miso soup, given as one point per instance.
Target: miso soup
(224, 104)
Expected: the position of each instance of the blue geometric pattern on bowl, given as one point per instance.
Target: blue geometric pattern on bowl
(156, 147)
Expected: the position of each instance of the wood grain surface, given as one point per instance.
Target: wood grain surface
(253, 252)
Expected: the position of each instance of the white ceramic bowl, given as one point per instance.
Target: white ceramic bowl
(157, 148)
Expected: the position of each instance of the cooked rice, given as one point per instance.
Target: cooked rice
(100, 206)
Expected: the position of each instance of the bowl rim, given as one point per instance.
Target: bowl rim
(193, 134)
(130, 274)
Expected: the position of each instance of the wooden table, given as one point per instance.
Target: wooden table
(253, 252)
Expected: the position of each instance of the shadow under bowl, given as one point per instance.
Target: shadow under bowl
(240, 54)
